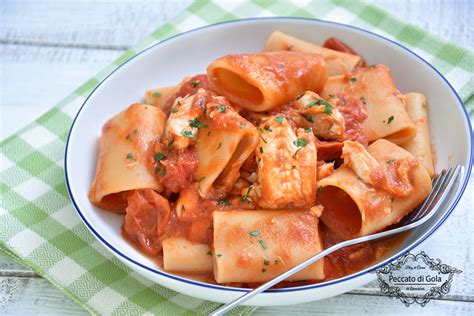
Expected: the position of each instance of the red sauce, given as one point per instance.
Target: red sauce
(340, 46)
(145, 222)
(338, 205)
(115, 202)
(354, 113)
(176, 170)
(189, 87)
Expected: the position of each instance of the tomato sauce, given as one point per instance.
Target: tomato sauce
(175, 168)
(189, 87)
(340, 46)
(354, 113)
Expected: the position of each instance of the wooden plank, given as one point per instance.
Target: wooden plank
(34, 296)
(353, 304)
(39, 77)
(23, 296)
(120, 24)
(91, 24)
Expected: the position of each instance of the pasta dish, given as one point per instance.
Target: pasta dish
(239, 174)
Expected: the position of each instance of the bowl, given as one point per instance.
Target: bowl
(189, 53)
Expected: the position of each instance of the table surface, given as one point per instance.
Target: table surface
(47, 50)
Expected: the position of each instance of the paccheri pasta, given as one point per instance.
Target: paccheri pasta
(239, 174)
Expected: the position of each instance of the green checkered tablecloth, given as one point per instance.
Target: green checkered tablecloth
(39, 227)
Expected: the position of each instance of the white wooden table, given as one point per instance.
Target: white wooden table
(48, 48)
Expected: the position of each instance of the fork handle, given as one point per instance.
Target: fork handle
(227, 307)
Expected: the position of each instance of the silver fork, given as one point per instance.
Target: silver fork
(442, 184)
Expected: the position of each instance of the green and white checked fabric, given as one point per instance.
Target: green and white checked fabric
(39, 227)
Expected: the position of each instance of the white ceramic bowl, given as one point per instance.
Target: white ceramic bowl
(189, 53)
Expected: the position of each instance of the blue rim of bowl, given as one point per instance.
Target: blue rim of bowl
(297, 288)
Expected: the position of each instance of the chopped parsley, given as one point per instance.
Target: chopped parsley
(390, 161)
(188, 134)
(309, 118)
(130, 156)
(318, 102)
(261, 150)
(353, 79)
(300, 142)
(266, 262)
(221, 108)
(242, 125)
(279, 118)
(390, 119)
(246, 195)
(163, 172)
(320, 189)
(267, 128)
(219, 255)
(159, 156)
(263, 139)
(209, 253)
(219, 146)
(263, 244)
(157, 94)
(224, 202)
(170, 143)
(277, 261)
(157, 169)
(328, 108)
(195, 83)
(197, 124)
(254, 233)
(300, 96)
(263, 270)
(362, 98)
(333, 96)
(200, 179)
(174, 110)
(308, 130)
(132, 134)
(293, 167)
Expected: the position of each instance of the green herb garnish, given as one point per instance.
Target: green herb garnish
(159, 156)
(224, 202)
(263, 244)
(188, 134)
(320, 189)
(197, 124)
(390, 119)
(221, 108)
(246, 195)
(157, 94)
(254, 233)
(279, 118)
(132, 134)
(267, 128)
(309, 118)
(195, 83)
(300, 142)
